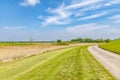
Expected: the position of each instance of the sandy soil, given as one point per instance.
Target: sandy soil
(111, 61)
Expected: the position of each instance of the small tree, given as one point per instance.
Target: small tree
(59, 41)
(107, 40)
(88, 40)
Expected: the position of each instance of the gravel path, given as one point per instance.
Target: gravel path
(109, 60)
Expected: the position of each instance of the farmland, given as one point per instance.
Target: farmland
(73, 63)
(11, 51)
(113, 46)
(60, 40)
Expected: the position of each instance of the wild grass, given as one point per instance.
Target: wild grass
(65, 64)
(8, 53)
(11, 52)
(113, 46)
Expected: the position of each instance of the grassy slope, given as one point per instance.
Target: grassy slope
(113, 46)
(64, 64)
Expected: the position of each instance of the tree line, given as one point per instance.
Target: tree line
(81, 40)
(89, 40)
(86, 40)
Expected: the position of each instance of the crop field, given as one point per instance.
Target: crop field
(74, 63)
(9, 51)
(113, 46)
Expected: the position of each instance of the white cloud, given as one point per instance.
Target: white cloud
(55, 20)
(93, 16)
(112, 2)
(115, 19)
(85, 28)
(61, 16)
(82, 4)
(65, 14)
(60, 11)
(29, 2)
(13, 28)
(98, 5)
(94, 30)
(40, 17)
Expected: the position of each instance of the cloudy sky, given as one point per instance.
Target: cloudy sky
(59, 19)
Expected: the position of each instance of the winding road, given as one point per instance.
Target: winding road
(109, 60)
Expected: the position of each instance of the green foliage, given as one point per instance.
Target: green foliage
(77, 40)
(65, 64)
(90, 40)
(62, 43)
(59, 41)
(113, 46)
(107, 40)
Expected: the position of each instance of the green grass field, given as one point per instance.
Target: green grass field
(64, 64)
(113, 46)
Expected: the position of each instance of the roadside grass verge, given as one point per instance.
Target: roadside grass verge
(65, 64)
(113, 46)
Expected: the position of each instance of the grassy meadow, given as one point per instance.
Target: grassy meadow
(74, 63)
(113, 46)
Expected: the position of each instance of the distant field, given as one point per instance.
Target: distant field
(20, 43)
(64, 64)
(113, 46)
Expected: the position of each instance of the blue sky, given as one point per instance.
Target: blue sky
(59, 19)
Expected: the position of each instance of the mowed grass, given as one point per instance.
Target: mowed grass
(64, 64)
(113, 46)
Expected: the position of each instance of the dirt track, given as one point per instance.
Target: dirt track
(109, 60)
